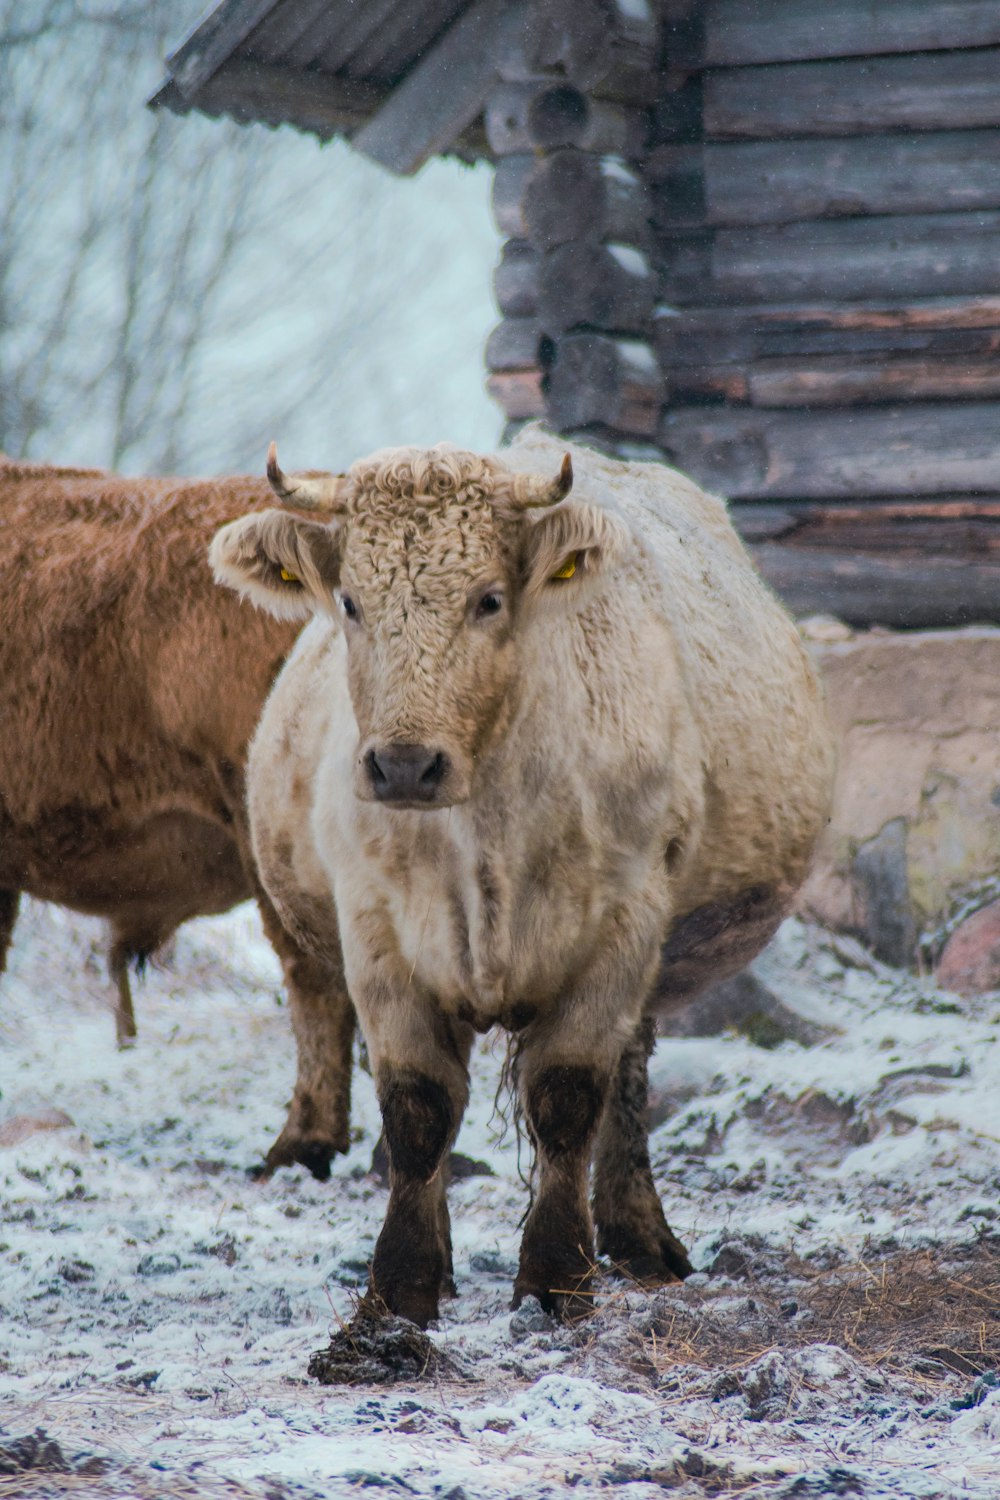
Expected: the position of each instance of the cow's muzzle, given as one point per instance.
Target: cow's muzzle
(407, 775)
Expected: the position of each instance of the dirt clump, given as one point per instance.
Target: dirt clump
(377, 1348)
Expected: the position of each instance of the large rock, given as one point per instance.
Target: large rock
(970, 962)
(915, 825)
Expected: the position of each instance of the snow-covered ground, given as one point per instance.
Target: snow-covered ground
(160, 1307)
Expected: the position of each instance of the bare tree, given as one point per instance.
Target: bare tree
(175, 291)
(117, 228)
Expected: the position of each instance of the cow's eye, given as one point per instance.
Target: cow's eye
(489, 604)
(349, 607)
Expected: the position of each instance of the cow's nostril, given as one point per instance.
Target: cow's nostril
(405, 774)
(435, 772)
(375, 771)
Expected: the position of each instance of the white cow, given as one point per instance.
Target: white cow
(539, 763)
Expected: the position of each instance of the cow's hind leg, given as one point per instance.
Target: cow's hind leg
(631, 1228)
(9, 902)
(318, 1123)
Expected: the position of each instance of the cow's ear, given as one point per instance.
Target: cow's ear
(566, 550)
(282, 563)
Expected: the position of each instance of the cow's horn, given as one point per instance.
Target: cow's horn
(530, 490)
(323, 492)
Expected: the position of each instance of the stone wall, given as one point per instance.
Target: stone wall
(911, 859)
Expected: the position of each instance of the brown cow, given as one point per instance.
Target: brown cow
(537, 762)
(129, 688)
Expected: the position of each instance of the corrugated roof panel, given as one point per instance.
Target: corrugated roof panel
(347, 27)
(326, 66)
(377, 40)
(415, 26)
(324, 32)
(274, 40)
(214, 39)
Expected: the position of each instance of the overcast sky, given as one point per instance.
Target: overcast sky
(350, 310)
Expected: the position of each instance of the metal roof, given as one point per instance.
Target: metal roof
(403, 79)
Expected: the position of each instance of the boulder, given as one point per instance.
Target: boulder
(970, 961)
(915, 824)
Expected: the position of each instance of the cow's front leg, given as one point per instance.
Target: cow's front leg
(420, 1061)
(567, 1065)
(562, 1101)
(631, 1228)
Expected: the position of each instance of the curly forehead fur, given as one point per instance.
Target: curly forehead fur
(431, 478)
(423, 518)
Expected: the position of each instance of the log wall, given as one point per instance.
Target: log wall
(765, 239)
(577, 284)
(826, 202)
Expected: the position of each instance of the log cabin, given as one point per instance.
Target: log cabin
(759, 239)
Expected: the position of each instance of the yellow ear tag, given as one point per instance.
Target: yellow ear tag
(568, 568)
(288, 577)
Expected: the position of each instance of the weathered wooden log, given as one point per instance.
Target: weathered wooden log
(737, 32)
(513, 345)
(841, 380)
(565, 116)
(743, 335)
(774, 182)
(906, 563)
(963, 526)
(591, 378)
(569, 195)
(518, 392)
(606, 47)
(923, 91)
(515, 280)
(507, 116)
(523, 117)
(511, 178)
(683, 34)
(576, 196)
(919, 449)
(905, 592)
(608, 287)
(676, 117)
(921, 255)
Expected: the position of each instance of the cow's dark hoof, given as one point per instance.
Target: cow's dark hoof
(567, 1306)
(416, 1303)
(565, 1292)
(313, 1153)
(653, 1259)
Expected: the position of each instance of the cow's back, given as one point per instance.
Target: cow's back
(764, 769)
(129, 684)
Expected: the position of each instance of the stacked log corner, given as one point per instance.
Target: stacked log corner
(825, 197)
(568, 125)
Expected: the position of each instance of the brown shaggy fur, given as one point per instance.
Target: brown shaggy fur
(129, 688)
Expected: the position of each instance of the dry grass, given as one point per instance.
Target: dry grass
(914, 1313)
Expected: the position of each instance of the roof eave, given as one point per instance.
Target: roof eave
(434, 109)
